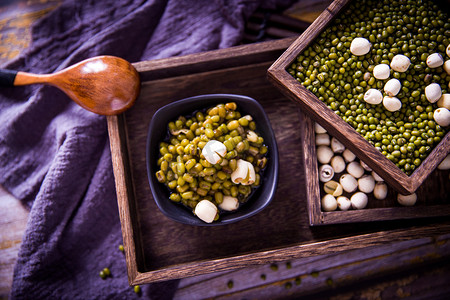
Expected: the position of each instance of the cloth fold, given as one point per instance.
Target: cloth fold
(55, 156)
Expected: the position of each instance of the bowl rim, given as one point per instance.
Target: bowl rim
(208, 100)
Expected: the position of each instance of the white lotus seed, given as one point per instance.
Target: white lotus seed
(252, 136)
(445, 164)
(214, 151)
(324, 154)
(360, 46)
(333, 188)
(433, 92)
(373, 96)
(366, 184)
(381, 71)
(354, 168)
(380, 191)
(206, 211)
(444, 101)
(442, 116)
(319, 129)
(338, 164)
(448, 50)
(343, 203)
(322, 139)
(348, 155)
(377, 177)
(326, 173)
(435, 60)
(337, 146)
(359, 200)
(400, 63)
(446, 66)
(392, 103)
(392, 87)
(329, 203)
(229, 203)
(365, 166)
(248, 118)
(407, 200)
(349, 183)
(244, 173)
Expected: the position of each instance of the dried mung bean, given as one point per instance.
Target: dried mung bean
(394, 30)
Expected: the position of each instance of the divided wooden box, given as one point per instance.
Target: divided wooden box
(157, 248)
(334, 124)
(433, 194)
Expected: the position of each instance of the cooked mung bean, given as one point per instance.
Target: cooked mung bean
(187, 173)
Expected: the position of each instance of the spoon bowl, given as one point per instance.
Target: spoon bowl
(106, 85)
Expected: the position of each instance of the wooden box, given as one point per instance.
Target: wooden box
(433, 194)
(158, 249)
(334, 124)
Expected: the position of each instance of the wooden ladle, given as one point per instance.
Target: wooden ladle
(106, 85)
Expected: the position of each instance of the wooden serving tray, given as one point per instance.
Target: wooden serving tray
(336, 125)
(159, 249)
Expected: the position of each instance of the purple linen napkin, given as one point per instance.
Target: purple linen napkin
(55, 156)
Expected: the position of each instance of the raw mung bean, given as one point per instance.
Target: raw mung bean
(413, 28)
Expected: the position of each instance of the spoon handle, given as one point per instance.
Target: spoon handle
(7, 77)
(16, 78)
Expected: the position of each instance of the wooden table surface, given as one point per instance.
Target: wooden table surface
(417, 268)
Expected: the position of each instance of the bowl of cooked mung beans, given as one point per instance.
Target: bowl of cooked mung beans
(211, 159)
(376, 74)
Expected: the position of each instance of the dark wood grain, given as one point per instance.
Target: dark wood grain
(357, 274)
(125, 193)
(335, 125)
(165, 249)
(311, 171)
(16, 18)
(207, 61)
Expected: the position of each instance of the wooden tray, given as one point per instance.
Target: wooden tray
(157, 248)
(318, 110)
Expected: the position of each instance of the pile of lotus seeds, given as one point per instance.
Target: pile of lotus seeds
(347, 181)
(385, 71)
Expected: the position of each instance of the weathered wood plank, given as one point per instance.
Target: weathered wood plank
(16, 18)
(13, 220)
(210, 60)
(319, 274)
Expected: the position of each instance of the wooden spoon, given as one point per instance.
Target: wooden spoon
(106, 85)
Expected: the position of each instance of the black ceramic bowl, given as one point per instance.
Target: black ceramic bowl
(158, 132)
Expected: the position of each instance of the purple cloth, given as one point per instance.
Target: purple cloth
(55, 156)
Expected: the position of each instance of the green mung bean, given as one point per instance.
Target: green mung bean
(189, 176)
(415, 29)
